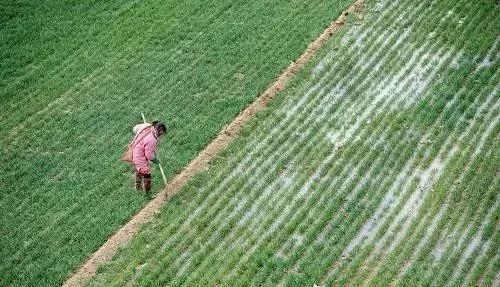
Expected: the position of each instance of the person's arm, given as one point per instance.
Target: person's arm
(149, 151)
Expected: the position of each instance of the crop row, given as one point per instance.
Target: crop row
(75, 78)
(356, 173)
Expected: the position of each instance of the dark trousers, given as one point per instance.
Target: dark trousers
(143, 179)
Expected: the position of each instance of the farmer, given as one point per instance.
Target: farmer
(144, 150)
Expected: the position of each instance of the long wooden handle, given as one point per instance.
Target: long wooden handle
(163, 174)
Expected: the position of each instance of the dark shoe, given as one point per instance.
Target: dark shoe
(149, 195)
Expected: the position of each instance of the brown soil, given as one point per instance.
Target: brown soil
(201, 162)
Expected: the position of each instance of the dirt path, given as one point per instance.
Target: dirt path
(201, 162)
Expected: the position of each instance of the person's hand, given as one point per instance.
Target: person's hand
(155, 160)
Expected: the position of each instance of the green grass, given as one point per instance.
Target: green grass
(377, 166)
(74, 78)
(394, 123)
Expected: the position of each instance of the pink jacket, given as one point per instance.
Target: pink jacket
(144, 151)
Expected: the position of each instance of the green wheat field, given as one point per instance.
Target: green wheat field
(378, 165)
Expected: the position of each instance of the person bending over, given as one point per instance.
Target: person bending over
(144, 151)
